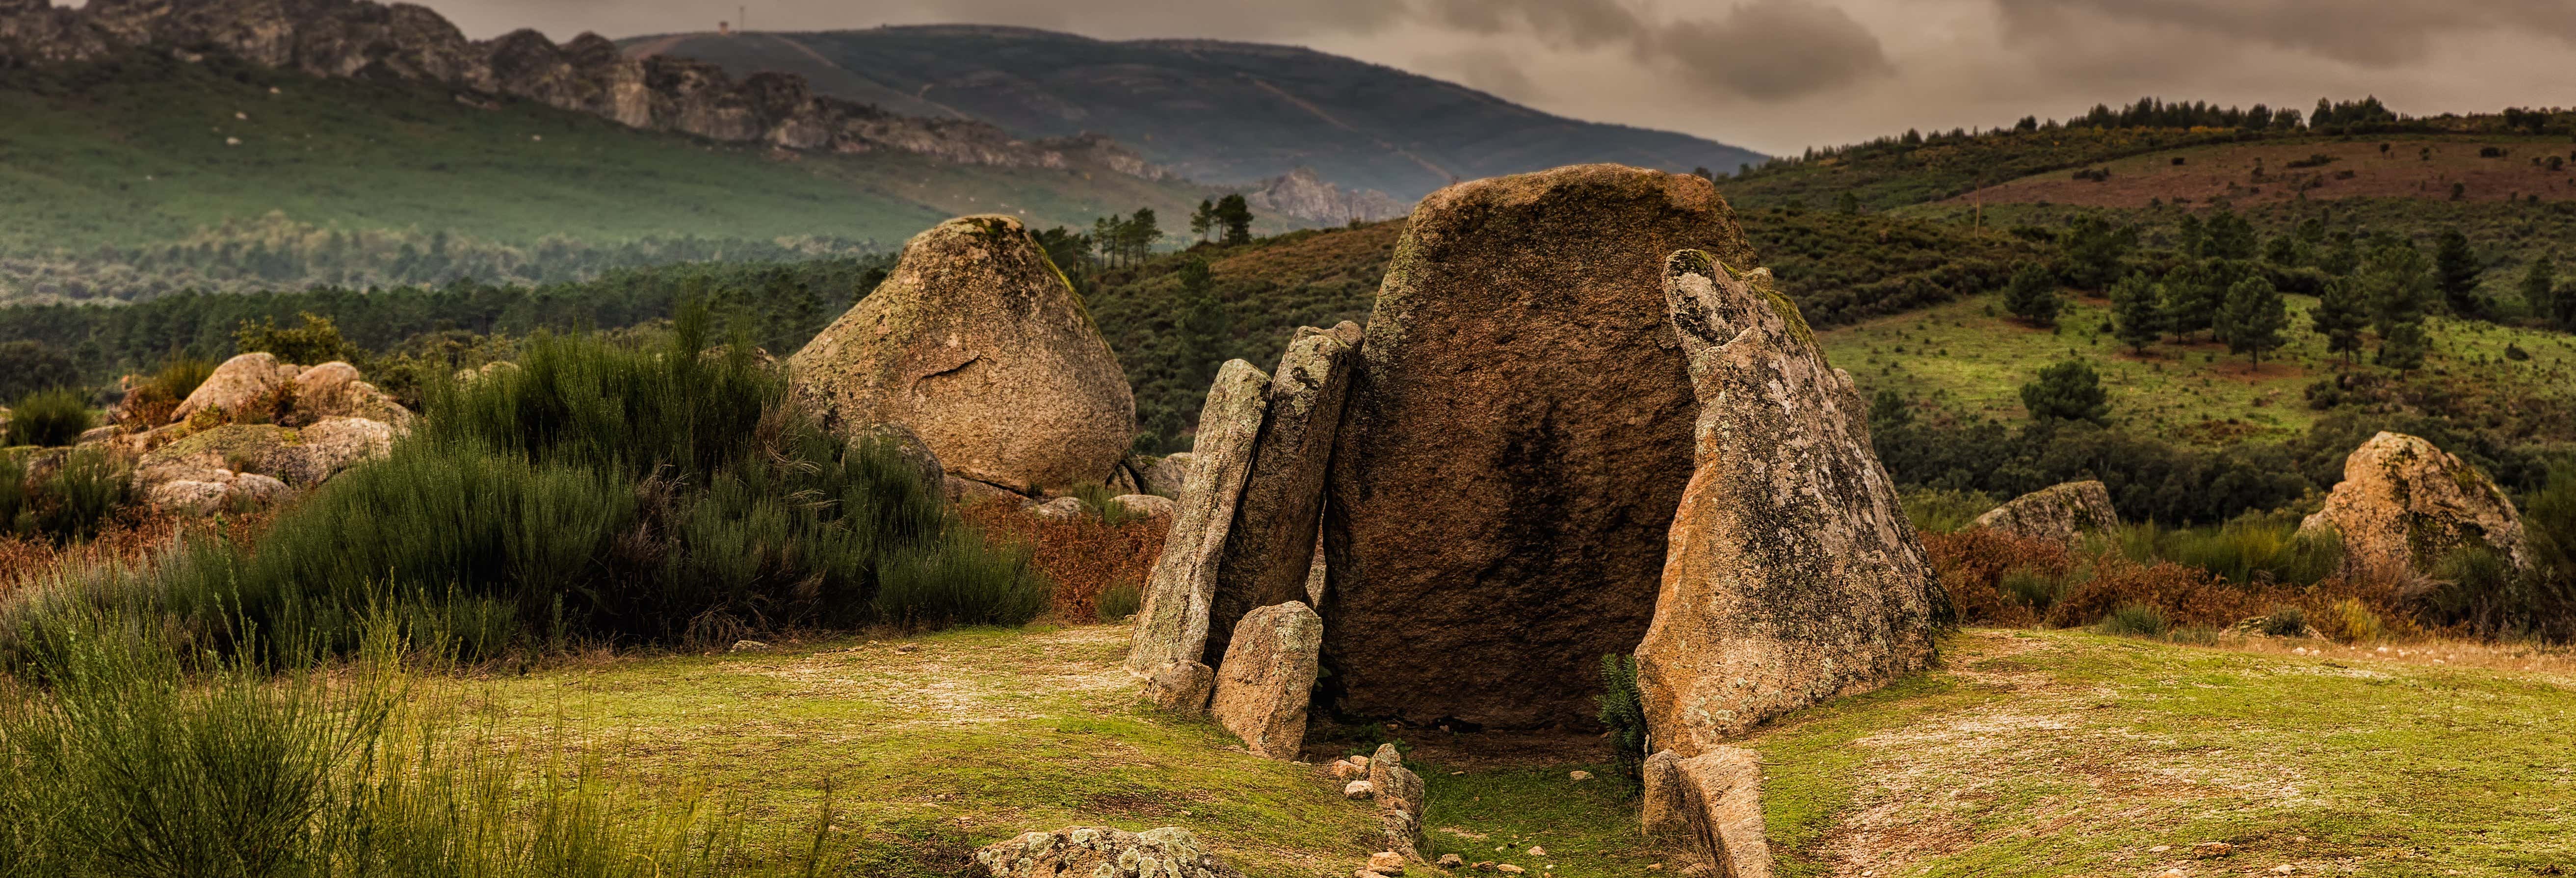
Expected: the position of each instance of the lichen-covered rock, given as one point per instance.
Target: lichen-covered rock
(1271, 546)
(2063, 513)
(1173, 626)
(2403, 504)
(1667, 804)
(1183, 686)
(968, 492)
(226, 449)
(1147, 505)
(187, 496)
(1721, 798)
(1399, 795)
(1516, 439)
(238, 384)
(1268, 677)
(333, 390)
(1166, 476)
(1102, 852)
(330, 445)
(977, 344)
(1793, 574)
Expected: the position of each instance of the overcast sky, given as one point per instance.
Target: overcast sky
(1781, 75)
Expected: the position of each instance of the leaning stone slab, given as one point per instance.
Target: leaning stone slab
(2061, 513)
(1268, 677)
(1183, 686)
(1270, 548)
(1722, 795)
(2404, 503)
(1516, 439)
(1793, 574)
(1102, 852)
(1667, 805)
(1173, 626)
(1399, 795)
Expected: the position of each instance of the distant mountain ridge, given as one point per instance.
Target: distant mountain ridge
(1213, 111)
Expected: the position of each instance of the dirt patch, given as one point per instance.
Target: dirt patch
(2244, 174)
(937, 683)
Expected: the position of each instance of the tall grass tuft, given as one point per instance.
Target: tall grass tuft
(1935, 510)
(962, 581)
(2136, 620)
(151, 403)
(71, 498)
(2255, 550)
(1120, 600)
(48, 418)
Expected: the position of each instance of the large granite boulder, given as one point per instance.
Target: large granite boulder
(333, 390)
(1271, 546)
(1267, 678)
(978, 345)
(300, 457)
(2062, 513)
(1173, 625)
(1167, 476)
(1102, 852)
(240, 384)
(2404, 503)
(1516, 440)
(1793, 574)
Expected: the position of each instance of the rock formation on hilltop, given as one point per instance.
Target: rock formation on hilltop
(1793, 574)
(2404, 503)
(1516, 439)
(340, 38)
(976, 344)
(1302, 194)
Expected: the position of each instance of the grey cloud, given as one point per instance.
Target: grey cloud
(1774, 50)
(2387, 33)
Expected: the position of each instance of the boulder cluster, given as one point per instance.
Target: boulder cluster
(254, 429)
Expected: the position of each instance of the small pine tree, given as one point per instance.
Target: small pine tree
(2456, 271)
(2254, 317)
(2137, 311)
(2230, 236)
(2399, 283)
(2032, 295)
(2068, 391)
(1848, 203)
(1203, 219)
(1235, 215)
(2540, 288)
(2402, 347)
(2340, 316)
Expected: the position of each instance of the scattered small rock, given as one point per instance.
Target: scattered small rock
(2284, 869)
(1579, 776)
(1452, 861)
(1509, 869)
(1344, 769)
(1386, 863)
(2213, 849)
(1061, 508)
(1359, 789)
(2158, 849)
(749, 646)
(907, 647)
(1537, 851)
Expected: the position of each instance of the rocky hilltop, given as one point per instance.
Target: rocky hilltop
(341, 38)
(1302, 194)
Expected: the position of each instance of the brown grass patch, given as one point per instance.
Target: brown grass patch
(132, 539)
(1972, 564)
(1082, 556)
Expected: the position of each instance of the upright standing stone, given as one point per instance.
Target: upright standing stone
(1721, 792)
(1517, 437)
(1267, 678)
(1270, 549)
(1793, 574)
(1173, 626)
(1399, 794)
(978, 345)
(2404, 503)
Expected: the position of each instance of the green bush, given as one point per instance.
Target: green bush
(1935, 510)
(2251, 550)
(1623, 709)
(1119, 601)
(2033, 588)
(73, 499)
(2286, 621)
(2135, 620)
(607, 492)
(962, 581)
(48, 418)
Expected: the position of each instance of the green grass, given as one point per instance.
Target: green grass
(107, 156)
(1974, 358)
(2064, 753)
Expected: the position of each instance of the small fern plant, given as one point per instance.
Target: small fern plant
(1624, 711)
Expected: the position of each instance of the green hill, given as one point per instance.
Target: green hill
(146, 174)
(1216, 111)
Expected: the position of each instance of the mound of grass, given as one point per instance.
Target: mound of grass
(48, 418)
(2136, 620)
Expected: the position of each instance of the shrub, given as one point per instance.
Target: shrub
(73, 499)
(962, 581)
(1934, 510)
(2251, 550)
(2285, 621)
(1120, 600)
(1973, 564)
(2135, 620)
(1084, 557)
(315, 341)
(1623, 709)
(2350, 621)
(48, 418)
(2033, 588)
(151, 402)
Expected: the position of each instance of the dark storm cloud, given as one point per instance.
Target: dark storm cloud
(1765, 50)
(2367, 33)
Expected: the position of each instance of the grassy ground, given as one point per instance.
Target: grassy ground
(1970, 356)
(2065, 753)
(2029, 753)
(2488, 168)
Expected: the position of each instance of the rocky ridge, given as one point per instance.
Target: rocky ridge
(347, 38)
(1303, 194)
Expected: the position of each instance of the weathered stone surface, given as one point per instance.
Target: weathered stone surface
(1399, 796)
(977, 344)
(330, 445)
(237, 384)
(1722, 791)
(333, 390)
(1267, 678)
(1516, 440)
(1667, 808)
(256, 488)
(1183, 686)
(187, 496)
(2404, 503)
(905, 443)
(1060, 508)
(1793, 573)
(1168, 475)
(1316, 576)
(1173, 626)
(1102, 852)
(1270, 548)
(262, 448)
(2063, 513)
(1146, 505)
(968, 492)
